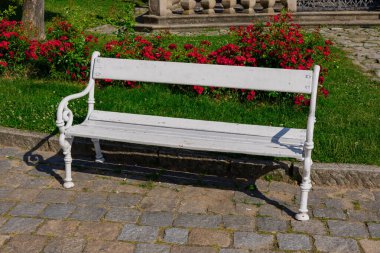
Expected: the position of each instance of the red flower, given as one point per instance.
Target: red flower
(325, 92)
(251, 95)
(188, 46)
(198, 89)
(172, 46)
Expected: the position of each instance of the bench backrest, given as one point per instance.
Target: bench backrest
(267, 79)
(253, 78)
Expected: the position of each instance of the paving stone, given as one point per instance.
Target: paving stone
(283, 187)
(4, 192)
(253, 241)
(294, 242)
(233, 251)
(5, 165)
(27, 209)
(129, 188)
(370, 246)
(21, 194)
(191, 249)
(20, 225)
(109, 247)
(362, 194)
(65, 245)
(95, 230)
(169, 199)
(329, 213)
(5, 206)
(271, 225)
(121, 214)
(241, 223)
(370, 205)
(42, 170)
(203, 200)
(247, 199)
(209, 237)
(58, 228)
(374, 230)
(124, 199)
(314, 227)
(36, 183)
(338, 203)
(159, 219)
(2, 220)
(152, 248)
(270, 210)
(198, 220)
(176, 235)
(362, 215)
(335, 244)
(25, 243)
(347, 229)
(376, 194)
(55, 196)
(88, 213)
(246, 209)
(58, 211)
(136, 233)
(90, 198)
(3, 239)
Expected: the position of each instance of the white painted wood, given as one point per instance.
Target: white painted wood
(202, 125)
(190, 139)
(267, 79)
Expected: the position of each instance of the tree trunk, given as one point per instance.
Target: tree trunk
(33, 16)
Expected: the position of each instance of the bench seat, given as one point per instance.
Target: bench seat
(192, 134)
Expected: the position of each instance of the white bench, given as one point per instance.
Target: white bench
(194, 134)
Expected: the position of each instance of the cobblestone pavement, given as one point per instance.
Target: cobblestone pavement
(124, 211)
(362, 45)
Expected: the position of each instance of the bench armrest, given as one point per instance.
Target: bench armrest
(64, 114)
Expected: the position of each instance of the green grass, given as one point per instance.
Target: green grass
(87, 13)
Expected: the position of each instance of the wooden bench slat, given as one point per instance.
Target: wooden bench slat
(267, 79)
(279, 133)
(195, 139)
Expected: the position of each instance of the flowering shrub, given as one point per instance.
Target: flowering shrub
(66, 51)
(276, 44)
(13, 45)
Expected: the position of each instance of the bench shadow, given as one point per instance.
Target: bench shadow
(54, 166)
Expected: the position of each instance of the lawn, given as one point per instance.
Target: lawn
(347, 129)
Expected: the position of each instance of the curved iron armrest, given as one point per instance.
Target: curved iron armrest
(65, 115)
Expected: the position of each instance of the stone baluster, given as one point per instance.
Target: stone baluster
(160, 7)
(219, 8)
(268, 5)
(188, 6)
(290, 5)
(208, 6)
(176, 7)
(229, 6)
(239, 7)
(248, 6)
(198, 7)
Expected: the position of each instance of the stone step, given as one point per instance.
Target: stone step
(221, 21)
(208, 26)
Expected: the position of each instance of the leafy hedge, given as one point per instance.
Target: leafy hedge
(66, 52)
